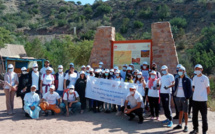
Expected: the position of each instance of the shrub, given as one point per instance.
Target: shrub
(119, 37)
(130, 13)
(123, 29)
(89, 35)
(64, 9)
(62, 23)
(103, 9)
(78, 2)
(138, 24)
(2, 7)
(88, 10)
(145, 13)
(163, 11)
(179, 22)
(146, 35)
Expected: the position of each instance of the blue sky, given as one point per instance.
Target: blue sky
(84, 1)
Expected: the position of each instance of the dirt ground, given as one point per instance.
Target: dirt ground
(88, 122)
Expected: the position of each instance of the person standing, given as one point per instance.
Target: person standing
(153, 85)
(11, 82)
(23, 86)
(59, 80)
(32, 101)
(145, 70)
(123, 71)
(80, 87)
(141, 85)
(34, 78)
(182, 92)
(47, 64)
(201, 89)
(71, 65)
(70, 77)
(167, 82)
(47, 80)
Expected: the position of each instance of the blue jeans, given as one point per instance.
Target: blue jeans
(75, 106)
(60, 93)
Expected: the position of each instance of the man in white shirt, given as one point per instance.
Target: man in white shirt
(135, 99)
(167, 82)
(48, 102)
(70, 78)
(31, 101)
(34, 77)
(71, 100)
(59, 80)
(47, 80)
(181, 93)
(43, 70)
(201, 87)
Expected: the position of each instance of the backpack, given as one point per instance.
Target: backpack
(67, 92)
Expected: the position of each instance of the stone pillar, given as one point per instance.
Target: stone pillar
(164, 49)
(102, 47)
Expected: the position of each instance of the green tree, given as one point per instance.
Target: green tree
(5, 37)
(145, 13)
(138, 24)
(163, 11)
(78, 2)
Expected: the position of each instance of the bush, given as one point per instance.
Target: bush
(64, 9)
(88, 10)
(145, 13)
(2, 7)
(103, 9)
(62, 23)
(5, 37)
(138, 24)
(179, 22)
(123, 29)
(119, 37)
(163, 11)
(89, 35)
(130, 13)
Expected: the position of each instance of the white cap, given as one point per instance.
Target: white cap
(91, 69)
(112, 70)
(154, 63)
(35, 65)
(164, 67)
(116, 67)
(178, 66)
(71, 64)
(23, 69)
(125, 65)
(129, 68)
(10, 66)
(82, 72)
(107, 70)
(199, 66)
(88, 66)
(182, 68)
(52, 87)
(132, 86)
(70, 86)
(60, 66)
(97, 71)
(153, 72)
(34, 86)
(136, 70)
(145, 63)
(49, 68)
(100, 63)
(83, 66)
(131, 64)
(117, 72)
(139, 72)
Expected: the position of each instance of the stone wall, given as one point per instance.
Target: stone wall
(164, 49)
(102, 46)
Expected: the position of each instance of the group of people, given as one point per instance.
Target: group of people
(65, 92)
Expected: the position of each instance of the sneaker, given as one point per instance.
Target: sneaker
(46, 113)
(185, 129)
(170, 124)
(178, 127)
(158, 119)
(194, 132)
(166, 121)
(27, 115)
(189, 116)
(152, 118)
(118, 113)
(53, 113)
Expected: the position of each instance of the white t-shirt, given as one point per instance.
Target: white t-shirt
(43, 70)
(13, 77)
(71, 96)
(30, 99)
(166, 80)
(51, 98)
(48, 79)
(35, 79)
(60, 82)
(119, 79)
(180, 91)
(123, 74)
(133, 100)
(201, 84)
(153, 92)
(72, 77)
(140, 88)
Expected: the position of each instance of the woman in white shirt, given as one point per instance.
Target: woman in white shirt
(153, 94)
(71, 77)
(46, 81)
(141, 84)
(11, 82)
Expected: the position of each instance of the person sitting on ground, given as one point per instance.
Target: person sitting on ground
(135, 99)
(31, 101)
(71, 100)
(48, 102)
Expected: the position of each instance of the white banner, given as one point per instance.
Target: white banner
(108, 91)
